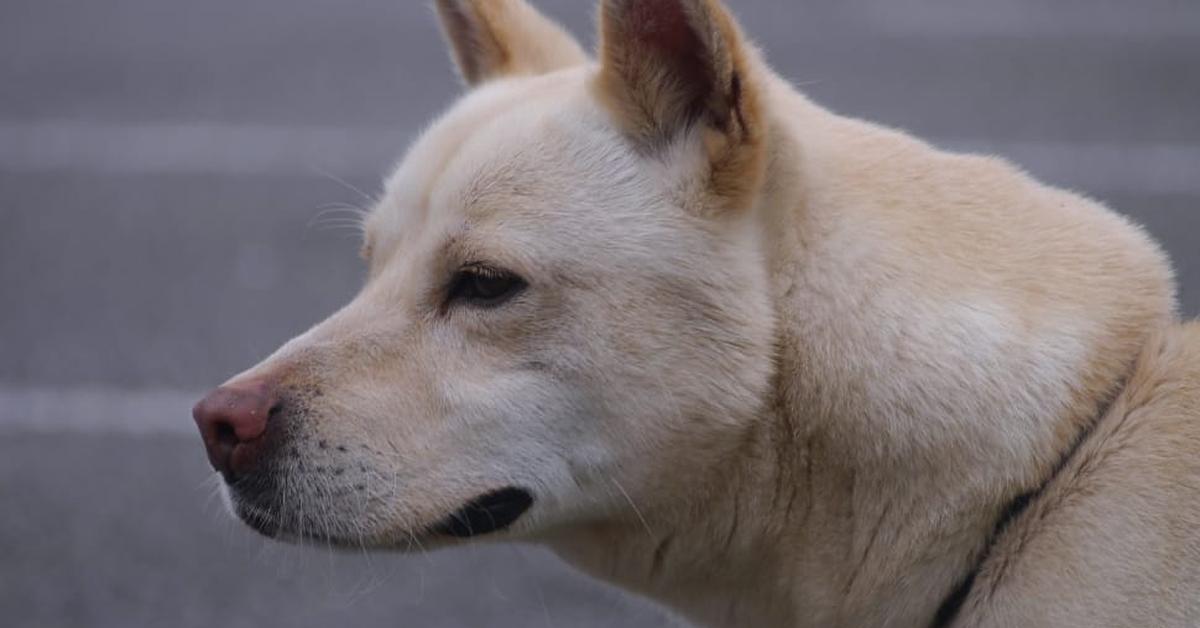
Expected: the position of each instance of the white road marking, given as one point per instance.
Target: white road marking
(1144, 20)
(97, 410)
(195, 148)
(1157, 168)
(255, 149)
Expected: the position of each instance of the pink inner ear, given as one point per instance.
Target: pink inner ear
(663, 24)
(662, 29)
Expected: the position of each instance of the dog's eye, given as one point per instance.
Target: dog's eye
(484, 286)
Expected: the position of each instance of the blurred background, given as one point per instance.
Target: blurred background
(163, 169)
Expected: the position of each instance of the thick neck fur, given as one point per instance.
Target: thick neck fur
(946, 328)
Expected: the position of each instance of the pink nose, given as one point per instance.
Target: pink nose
(233, 421)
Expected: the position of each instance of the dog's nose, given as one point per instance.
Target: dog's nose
(233, 421)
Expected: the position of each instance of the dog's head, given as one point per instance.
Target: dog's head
(565, 310)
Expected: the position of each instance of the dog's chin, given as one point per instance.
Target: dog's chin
(259, 522)
(487, 514)
(271, 527)
(255, 518)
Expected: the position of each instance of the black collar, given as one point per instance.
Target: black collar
(952, 604)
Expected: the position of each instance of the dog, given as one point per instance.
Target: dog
(711, 342)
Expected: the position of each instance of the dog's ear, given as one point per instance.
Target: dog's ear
(491, 38)
(670, 65)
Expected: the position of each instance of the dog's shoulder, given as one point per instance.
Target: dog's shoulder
(1115, 538)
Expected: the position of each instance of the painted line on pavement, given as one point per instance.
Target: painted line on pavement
(97, 410)
(254, 150)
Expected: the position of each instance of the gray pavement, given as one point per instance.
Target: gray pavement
(161, 167)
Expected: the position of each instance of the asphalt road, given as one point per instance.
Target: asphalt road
(163, 166)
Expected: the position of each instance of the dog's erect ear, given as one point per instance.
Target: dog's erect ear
(670, 65)
(492, 38)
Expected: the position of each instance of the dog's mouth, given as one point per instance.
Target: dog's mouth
(486, 514)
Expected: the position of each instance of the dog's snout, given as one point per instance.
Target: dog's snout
(233, 421)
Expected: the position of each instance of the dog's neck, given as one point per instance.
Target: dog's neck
(852, 499)
(787, 532)
(710, 555)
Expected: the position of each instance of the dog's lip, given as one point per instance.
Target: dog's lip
(488, 513)
(260, 522)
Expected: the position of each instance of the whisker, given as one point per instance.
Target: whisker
(632, 505)
(371, 200)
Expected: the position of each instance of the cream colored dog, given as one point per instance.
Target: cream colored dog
(765, 364)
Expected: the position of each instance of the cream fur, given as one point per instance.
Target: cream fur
(774, 367)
